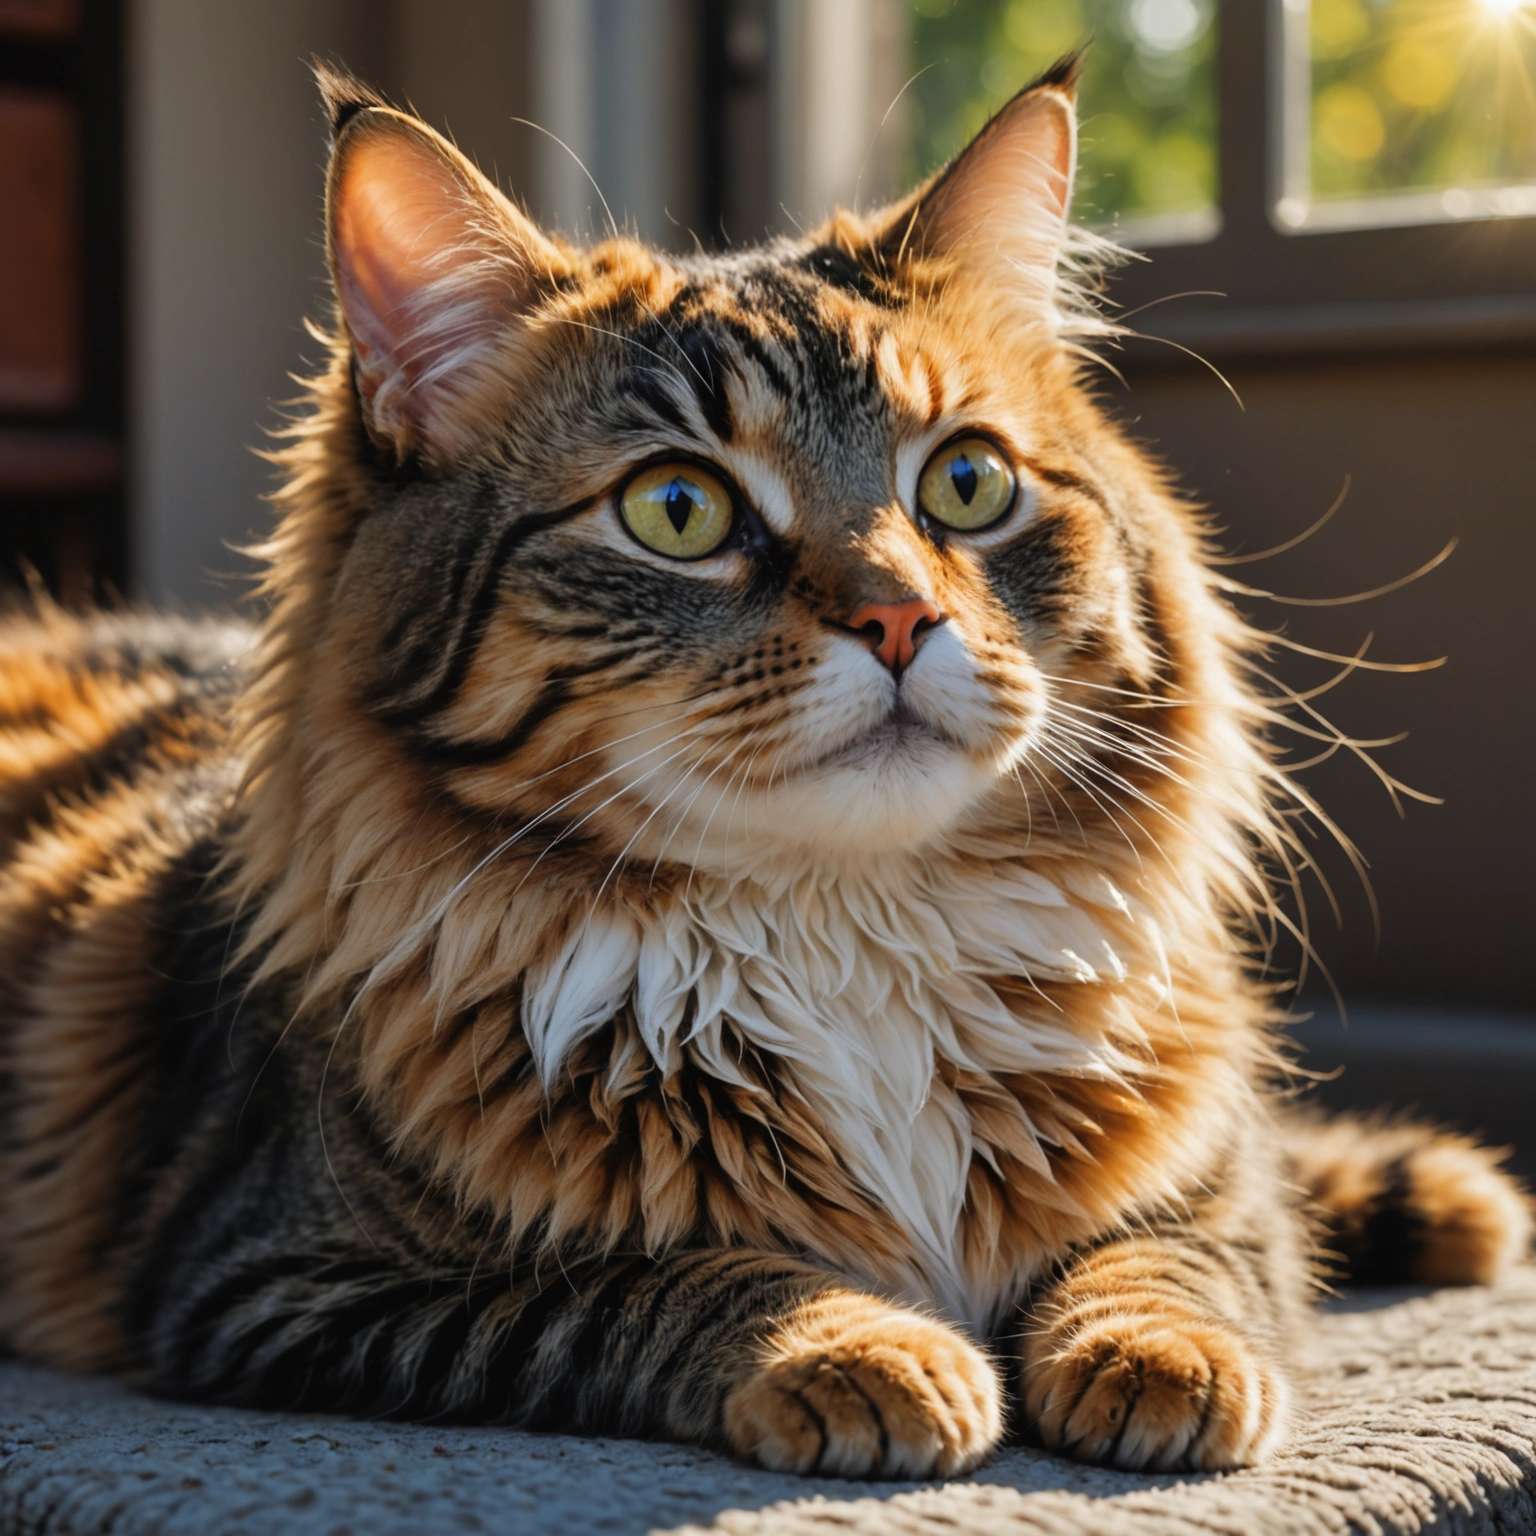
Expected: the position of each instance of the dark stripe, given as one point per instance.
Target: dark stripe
(707, 375)
(837, 268)
(473, 754)
(471, 544)
(556, 692)
(644, 387)
(128, 747)
(717, 1306)
(233, 1291)
(585, 1353)
(482, 605)
(1385, 1247)
(1068, 480)
(757, 353)
(509, 1358)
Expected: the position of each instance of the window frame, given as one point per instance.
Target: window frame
(1472, 281)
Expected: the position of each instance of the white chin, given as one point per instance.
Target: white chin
(894, 789)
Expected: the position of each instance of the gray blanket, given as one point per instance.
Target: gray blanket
(1418, 1414)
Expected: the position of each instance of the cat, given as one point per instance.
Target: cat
(719, 900)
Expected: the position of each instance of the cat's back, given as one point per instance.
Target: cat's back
(93, 707)
(116, 777)
(116, 774)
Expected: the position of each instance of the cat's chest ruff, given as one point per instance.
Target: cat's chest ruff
(867, 991)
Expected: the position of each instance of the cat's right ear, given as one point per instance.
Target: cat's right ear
(435, 271)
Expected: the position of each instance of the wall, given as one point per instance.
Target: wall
(224, 188)
(615, 84)
(1438, 446)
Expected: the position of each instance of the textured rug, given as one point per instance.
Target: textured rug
(1418, 1414)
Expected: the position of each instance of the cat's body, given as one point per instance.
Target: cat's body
(565, 974)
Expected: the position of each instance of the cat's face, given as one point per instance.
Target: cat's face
(695, 559)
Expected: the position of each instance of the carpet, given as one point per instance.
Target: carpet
(1417, 1413)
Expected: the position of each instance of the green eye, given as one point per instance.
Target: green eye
(966, 485)
(678, 510)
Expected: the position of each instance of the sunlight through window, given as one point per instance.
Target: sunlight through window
(1408, 111)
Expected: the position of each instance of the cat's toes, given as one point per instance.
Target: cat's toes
(1155, 1390)
(853, 1387)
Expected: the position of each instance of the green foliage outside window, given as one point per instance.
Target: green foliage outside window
(1148, 95)
(1421, 94)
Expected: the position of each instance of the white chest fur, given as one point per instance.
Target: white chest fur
(858, 984)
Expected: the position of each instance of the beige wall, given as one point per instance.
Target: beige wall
(224, 194)
(1438, 446)
(226, 156)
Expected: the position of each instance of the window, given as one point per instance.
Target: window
(1407, 111)
(1236, 137)
(1317, 253)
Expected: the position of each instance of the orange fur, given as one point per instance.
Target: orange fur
(850, 1386)
(529, 907)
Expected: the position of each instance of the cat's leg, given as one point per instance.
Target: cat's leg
(1165, 1346)
(1145, 1354)
(753, 1352)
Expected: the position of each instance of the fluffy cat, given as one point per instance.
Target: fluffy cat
(718, 902)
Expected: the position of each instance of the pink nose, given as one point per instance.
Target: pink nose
(892, 630)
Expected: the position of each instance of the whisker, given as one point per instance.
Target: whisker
(1067, 772)
(1087, 759)
(634, 838)
(408, 941)
(1339, 602)
(1179, 346)
(581, 165)
(746, 774)
(1272, 638)
(704, 832)
(630, 341)
(1290, 544)
(1066, 760)
(1125, 693)
(683, 814)
(1360, 749)
(577, 825)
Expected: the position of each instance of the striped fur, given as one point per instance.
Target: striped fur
(533, 980)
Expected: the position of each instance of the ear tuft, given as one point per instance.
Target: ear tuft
(342, 94)
(1063, 75)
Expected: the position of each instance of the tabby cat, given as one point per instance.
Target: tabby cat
(717, 903)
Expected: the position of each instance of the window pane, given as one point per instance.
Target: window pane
(1408, 111)
(1148, 98)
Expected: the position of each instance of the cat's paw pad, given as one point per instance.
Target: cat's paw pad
(1154, 1390)
(852, 1387)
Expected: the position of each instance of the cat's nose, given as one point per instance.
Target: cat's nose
(892, 630)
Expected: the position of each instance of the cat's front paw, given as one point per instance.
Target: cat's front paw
(1153, 1388)
(851, 1386)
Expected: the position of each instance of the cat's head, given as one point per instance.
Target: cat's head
(803, 546)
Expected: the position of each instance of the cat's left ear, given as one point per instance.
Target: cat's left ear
(999, 209)
(438, 275)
